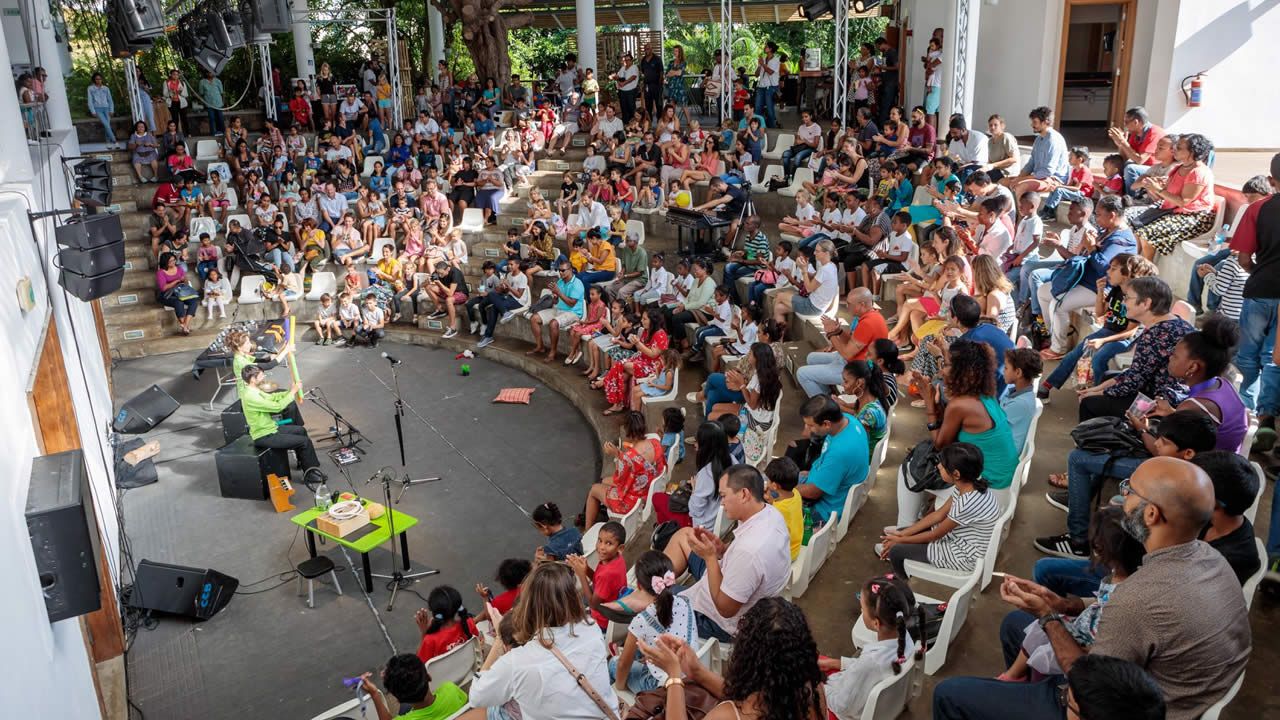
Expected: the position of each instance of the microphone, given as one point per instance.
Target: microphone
(390, 359)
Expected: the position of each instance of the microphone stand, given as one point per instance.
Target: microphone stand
(398, 579)
(336, 432)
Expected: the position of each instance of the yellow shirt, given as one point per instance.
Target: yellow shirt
(792, 510)
(604, 257)
(578, 260)
(389, 268)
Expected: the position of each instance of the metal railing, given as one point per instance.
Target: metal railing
(35, 120)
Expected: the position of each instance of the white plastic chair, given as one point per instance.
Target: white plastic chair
(660, 483)
(669, 395)
(631, 521)
(472, 221)
(223, 170)
(770, 173)
(321, 283)
(722, 524)
(202, 225)
(1174, 267)
(878, 455)
(958, 605)
(243, 219)
(589, 539)
(369, 160)
(250, 285)
(637, 227)
(889, 697)
(206, 152)
(853, 502)
(378, 244)
(781, 144)
(1246, 447)
(1251, 585)
(957, 578)
(1252, 512)
(802, 176)
(1216, 709)
(455, 666)
(811, 557)
(233, 200)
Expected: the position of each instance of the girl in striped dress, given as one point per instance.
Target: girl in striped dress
(956, 535)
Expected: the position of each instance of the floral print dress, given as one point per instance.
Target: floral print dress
(634, 474)
(617, 380)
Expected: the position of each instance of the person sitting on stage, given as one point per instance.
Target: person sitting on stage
(244, 354)
(260, 405)
(406, 678)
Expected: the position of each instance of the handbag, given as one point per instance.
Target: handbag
(586, 686)
(1109, 435)
(678, 499)
(652, 704)
(1148, 216)
(182, 291)
(662, 534)
(766, 276)
(1068, 275)
(921, 468)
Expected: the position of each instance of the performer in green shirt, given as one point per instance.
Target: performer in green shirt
(243, 355)
(259, 405)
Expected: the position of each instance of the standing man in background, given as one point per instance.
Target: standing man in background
(651, 70)
(888, 77)
(628, 79)
(768, 69)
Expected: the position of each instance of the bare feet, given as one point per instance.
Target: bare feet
(549, 358)
(535, 351)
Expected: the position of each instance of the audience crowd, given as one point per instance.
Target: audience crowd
(954, 225)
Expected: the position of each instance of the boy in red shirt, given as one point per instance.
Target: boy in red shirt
(1079, 185)
(609, 579)
(740, 96)
(511, 574)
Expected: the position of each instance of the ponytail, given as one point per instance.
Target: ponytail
(464, 619)
(900, 620)
(444, 603)
(655, 575)
(923, 642)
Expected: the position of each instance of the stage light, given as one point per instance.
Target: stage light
(861, 6)
(814, 9)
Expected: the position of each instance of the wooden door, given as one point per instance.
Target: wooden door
(1121, 53)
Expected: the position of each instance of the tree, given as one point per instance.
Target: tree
(484, 29)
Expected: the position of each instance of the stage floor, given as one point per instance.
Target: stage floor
(267, 655)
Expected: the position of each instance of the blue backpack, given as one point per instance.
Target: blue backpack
(1068, 275)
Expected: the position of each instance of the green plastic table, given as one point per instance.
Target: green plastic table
(366, 542)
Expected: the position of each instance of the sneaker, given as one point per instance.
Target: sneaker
(1042, 393)
(1063, 546)
(878, 548)
(437, 315)
(692, 397)
(340, 342)
(1060, 499)
(484, 342)
(506, 318)
(451, 332)
(475, 327)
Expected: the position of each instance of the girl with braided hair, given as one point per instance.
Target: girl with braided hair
(887, 607)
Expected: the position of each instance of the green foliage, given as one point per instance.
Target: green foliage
(538, 53)
(701, 40)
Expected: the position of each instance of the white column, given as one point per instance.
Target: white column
(304, 57)
(656, 19)
(15, 166)
(587, 35)
(960, 62)
(51, 60)
(435, 34)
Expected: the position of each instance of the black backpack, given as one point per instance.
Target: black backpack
(1109, 435)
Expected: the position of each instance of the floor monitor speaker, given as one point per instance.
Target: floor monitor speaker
(197, 593)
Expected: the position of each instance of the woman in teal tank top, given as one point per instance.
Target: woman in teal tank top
(972, 413)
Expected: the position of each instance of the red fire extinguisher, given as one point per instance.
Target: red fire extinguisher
(1192, 87)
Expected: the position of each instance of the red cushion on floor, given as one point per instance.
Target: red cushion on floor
(514, 395)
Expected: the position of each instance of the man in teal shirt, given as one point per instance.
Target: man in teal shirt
(843, 461)
(210, 89)
(569, 309)
(259, 406)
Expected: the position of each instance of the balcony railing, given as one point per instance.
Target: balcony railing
(35, 121)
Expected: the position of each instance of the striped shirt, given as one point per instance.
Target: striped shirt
(975, 515)
(756, 247)
(1228, 283)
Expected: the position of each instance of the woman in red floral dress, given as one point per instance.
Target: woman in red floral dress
(639, 462)
(649, 347)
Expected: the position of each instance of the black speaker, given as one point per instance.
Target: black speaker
(146, 410)
(86, 232)
(814, 9)
(64, 535)
(233, 423)
(97, 261)
(180, 590)
(265, 17)
(91, 287)
(243, 468)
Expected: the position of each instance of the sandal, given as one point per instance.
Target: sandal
(1058, 480)
(1051, 355)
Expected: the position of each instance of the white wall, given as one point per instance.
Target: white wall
(925, 16)
(1235, 42)
(1017, 60)
(48, 664)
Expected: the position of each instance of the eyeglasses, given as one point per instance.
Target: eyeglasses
(1126, 488)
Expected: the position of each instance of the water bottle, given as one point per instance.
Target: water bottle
(323, 497)
(1221, 238)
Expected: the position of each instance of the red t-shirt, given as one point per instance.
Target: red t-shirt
(166, 194)
(507, 600)
(1144, 143)
(1081, 175)
(608, 583)
(300, 108)
(441, 642)
(740, 99)
(871, 327)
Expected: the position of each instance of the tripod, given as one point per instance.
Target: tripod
(387, 476)
(342, 430)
